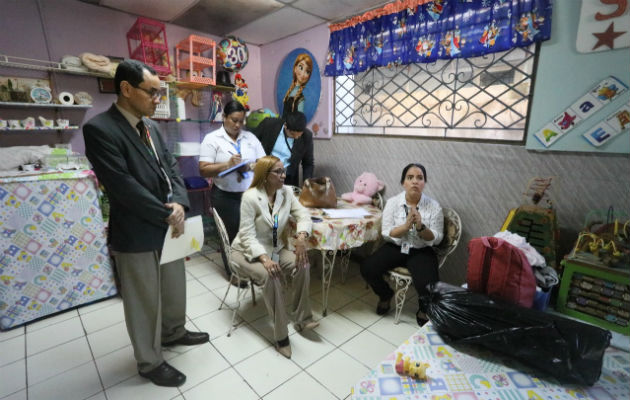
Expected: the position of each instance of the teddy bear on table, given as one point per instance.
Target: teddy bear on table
(365, 187)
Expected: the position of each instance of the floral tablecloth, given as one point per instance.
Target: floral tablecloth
(344, 233)
(482, 375)
(53, 252)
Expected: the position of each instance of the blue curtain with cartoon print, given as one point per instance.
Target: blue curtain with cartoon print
(439, 29)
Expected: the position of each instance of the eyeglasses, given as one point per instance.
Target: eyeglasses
(153, 93)
(279, 171)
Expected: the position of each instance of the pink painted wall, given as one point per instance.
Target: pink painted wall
(73, 27)
(316, 41)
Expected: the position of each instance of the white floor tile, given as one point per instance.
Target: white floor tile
(250, 312)
(194, 288)
(200, 268)
(99, 305)
(337, 329)
(244, 342)
(12, 377)
(226, 385)
(105, 317)
(201, 305)
(140, 388)
(12, 333)
(51, 320)
(21, 395)
(360, 313)
(336, 298)
(266, 370)
(338, 372)
(109, 339)
(308, 347)
(393, 333)
(78, 383)
(46, 364)
(117, 366)
(216, 281)
(53, 335)
(199, 364)
(302, 386)
(12, 350)
(216, 323)
(368, 348)
(98, 396)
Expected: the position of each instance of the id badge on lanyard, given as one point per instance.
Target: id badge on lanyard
(275, 255)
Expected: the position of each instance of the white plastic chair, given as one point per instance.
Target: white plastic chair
(241, 291)
(401, 275)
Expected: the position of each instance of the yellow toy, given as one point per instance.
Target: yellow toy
(414, 369)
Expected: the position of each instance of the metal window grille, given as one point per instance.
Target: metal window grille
(484, 97)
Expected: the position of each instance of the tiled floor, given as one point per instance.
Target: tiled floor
(86, 353)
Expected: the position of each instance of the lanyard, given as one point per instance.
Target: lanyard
(275, 231)
(237, 146)
(286, 140)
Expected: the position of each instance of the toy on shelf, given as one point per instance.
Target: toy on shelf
(535, 220)
(414, 369)
(146, 41)
(195, 60)
(605, 239)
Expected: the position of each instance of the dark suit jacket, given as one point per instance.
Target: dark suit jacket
(267, 132)
(133, 181)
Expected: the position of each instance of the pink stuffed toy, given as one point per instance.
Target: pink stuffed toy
(365, 187)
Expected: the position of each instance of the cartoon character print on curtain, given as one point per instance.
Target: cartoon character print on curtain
(439, 29)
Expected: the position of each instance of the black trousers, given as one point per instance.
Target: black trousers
(421, 263)
(228, 205)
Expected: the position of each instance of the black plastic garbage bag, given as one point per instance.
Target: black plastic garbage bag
(570, 351)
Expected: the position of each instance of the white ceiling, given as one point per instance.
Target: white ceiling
(256, 21)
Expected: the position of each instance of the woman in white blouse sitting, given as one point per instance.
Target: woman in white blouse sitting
(260, 247)
(412, 223)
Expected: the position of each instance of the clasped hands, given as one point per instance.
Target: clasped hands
(413, 218)
(176, 219)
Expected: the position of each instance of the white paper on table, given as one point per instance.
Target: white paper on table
(188, 243)
(345, 212)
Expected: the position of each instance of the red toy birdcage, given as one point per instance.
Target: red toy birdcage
(195, 60)
(146, 41)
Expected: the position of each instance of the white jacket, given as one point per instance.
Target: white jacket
(255, 234)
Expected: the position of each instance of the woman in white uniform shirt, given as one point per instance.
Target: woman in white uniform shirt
(222, 149)
(412, 223)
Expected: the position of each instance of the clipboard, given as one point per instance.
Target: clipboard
(188, 243)
(234, 168)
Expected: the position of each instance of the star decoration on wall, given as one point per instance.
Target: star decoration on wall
(608, 37)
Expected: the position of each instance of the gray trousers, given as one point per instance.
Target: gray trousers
(154, 300)
(273, 291)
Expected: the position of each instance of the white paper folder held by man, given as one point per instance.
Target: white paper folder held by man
(188, 243)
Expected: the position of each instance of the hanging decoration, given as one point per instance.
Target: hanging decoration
(422, 31)
(233, 54)
(240, 94)
(604, 25)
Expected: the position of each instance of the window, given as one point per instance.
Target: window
(482, 98)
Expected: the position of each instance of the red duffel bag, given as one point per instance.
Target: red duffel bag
(501, 271)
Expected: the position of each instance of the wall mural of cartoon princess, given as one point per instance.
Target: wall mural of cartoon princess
(299, 83)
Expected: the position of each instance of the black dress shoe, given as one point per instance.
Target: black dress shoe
(164, 375)
(189, 339)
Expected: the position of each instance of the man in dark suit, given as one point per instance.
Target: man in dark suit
(291, 142)
(147, 195)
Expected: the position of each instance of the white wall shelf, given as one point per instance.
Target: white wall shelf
(42, 105)
(40, 65)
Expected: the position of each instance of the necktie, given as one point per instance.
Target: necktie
(144, 136)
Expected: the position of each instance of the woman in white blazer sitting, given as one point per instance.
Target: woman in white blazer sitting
(260, 247)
